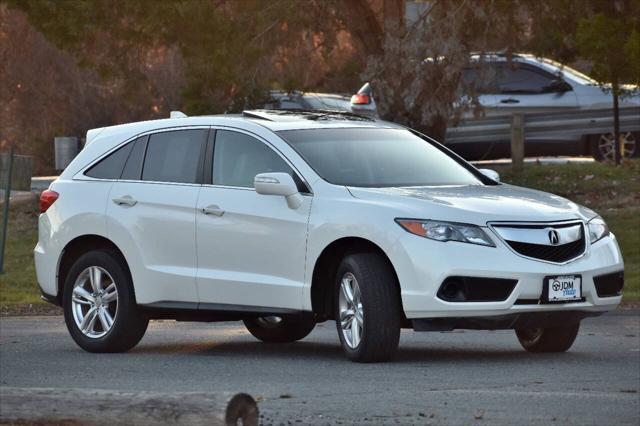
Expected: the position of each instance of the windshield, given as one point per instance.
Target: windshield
(376, 158)
(570, 73)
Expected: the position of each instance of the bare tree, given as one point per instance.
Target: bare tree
(417, 73)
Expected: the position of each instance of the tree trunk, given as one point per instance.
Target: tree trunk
(362, 23)
(616, 121)
(30, 406)
(437, 128)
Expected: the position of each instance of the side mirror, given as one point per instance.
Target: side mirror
(491, 174)
(278, 184)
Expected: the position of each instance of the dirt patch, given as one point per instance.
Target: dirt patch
(30, 310)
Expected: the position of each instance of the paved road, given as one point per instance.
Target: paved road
(438, 378)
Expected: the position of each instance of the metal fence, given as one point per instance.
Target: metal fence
(560, 125)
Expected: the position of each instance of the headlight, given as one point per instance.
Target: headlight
(446, 231)
(597, 229)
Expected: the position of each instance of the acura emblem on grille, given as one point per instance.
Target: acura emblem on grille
(554, 237)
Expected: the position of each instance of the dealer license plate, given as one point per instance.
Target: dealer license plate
(564, 288)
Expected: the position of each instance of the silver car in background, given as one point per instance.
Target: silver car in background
(543, 89)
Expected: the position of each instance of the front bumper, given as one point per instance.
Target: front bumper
(422, 265)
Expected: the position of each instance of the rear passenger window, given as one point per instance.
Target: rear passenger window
(238, 158)
(174, 156)
(111, 166)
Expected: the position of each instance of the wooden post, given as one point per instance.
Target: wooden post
(5, 209)
(517, 142)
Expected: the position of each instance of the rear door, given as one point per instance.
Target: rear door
(151, 214)
(251, 247)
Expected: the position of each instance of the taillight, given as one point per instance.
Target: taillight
(47, 198)
(360, 99)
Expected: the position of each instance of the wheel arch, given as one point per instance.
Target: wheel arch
(326, 266)
(76, 248)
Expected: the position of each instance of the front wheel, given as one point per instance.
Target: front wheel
(275, 329)
(554, 339)
(99, 305)
(367, 308)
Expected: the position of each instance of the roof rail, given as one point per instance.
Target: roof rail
(307, 114)
(177, 114)
(257, 114)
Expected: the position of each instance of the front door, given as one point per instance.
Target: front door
(251, 247)
(526, 89)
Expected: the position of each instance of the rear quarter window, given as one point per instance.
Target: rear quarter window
(133, 167)
(111, 166)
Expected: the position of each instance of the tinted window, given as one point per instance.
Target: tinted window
(521, 80)
(111, 166)
(479, 80)
(289, 104)
(173, 156)
(328, 102)
(238, 158)
(376, 158)
(133, 167)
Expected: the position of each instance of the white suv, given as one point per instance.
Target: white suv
(283, 219)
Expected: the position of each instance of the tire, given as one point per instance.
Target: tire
(556, 339)
(285, 329)
(127, 325)
(602, 150)
(376, 308)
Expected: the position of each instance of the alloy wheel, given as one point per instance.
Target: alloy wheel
(270, 321)
(531, 334)
(94, 302)
(350, 309)
(607, 146)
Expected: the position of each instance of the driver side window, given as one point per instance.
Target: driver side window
(238, 158)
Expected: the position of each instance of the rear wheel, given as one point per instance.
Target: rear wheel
(99, 305)
(276, 329)
(555, 339)
(604, 148)
(367, 308)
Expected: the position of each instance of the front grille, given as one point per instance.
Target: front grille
(559, 253)
(558, 243)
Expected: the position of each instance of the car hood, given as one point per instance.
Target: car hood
(477, 204)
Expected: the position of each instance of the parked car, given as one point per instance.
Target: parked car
(362, 102)
(283, 219)
(530, 84)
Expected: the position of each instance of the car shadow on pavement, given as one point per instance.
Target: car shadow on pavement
(318, 351)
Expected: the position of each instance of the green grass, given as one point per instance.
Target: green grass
(18, 285)
(614, 192)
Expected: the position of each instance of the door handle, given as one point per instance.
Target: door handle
(213, 210)
(125, 200)
(509, 101)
